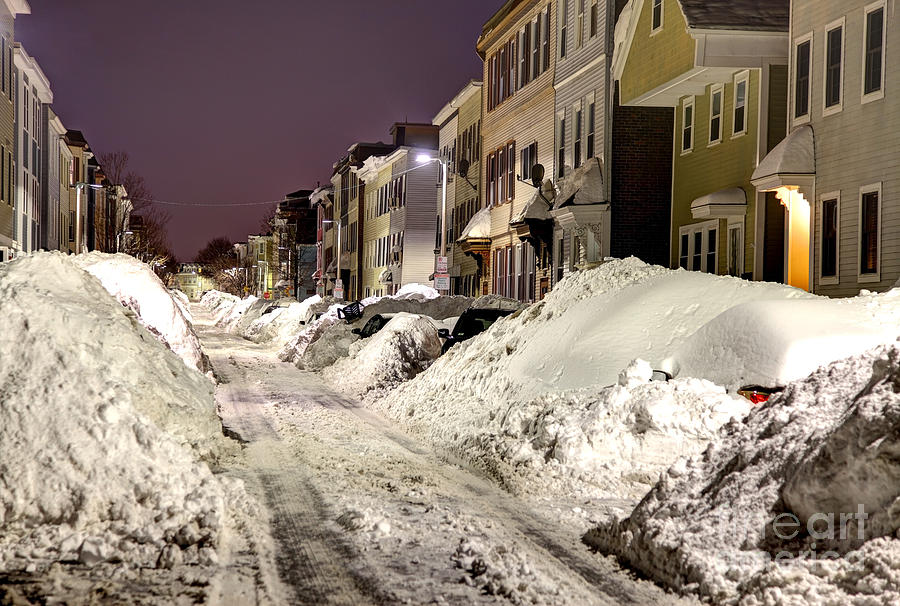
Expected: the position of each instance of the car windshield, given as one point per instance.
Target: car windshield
(470, 325)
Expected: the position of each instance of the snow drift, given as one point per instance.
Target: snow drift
(135, 285)
(770, 512)
(403, 348)
(100, 428)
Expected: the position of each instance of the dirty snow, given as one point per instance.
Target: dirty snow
(404, 347)
(785, 485)
(101, 430)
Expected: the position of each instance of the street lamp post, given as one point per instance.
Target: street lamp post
(119, 236)
(423, 159)
(79, 239)
(338, 271)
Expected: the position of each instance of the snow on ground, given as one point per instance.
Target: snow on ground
(537, 400)
(135, 285)
(230, 309)
(278, 326)
(771, 512)
(772, 343)
(101, 430)
(404, 347)
(324, 341)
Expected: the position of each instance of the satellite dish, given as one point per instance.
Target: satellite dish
(537, 175)
(463, 168)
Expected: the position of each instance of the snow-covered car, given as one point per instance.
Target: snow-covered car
(473, 321)
(379, 321)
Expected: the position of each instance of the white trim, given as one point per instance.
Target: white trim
(688, 102)
(742, 76)
(875, 277)
(878, 94)
(713, 89)
(704, 229)
(662, 16)
(802, 118)
(839, 106)
(835, 279)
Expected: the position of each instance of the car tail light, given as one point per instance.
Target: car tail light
(755, 395)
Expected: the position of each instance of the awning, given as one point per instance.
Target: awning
(538, 208)
(386, 276)
(583, 187)
(722, 204)
(792, 163)
(478, 227)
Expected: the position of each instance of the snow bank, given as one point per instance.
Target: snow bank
(403, 348)
(770, 513)
(230, 311)
(100, 428)
(280, 324)
(135, 285)
(540, 389)
(775, 342)
(322, 342)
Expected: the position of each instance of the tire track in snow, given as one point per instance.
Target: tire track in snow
(313, 561)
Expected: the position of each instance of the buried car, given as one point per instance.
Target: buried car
(473, 321)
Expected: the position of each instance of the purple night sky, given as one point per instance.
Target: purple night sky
(232, 101)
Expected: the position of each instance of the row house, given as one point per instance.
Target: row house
(460, 148)
(294, 233)
(518, 45)
(322, 199)
(349, 200)
(261, 265)
(721, 68)
(9, 241)
(835, 173)
(399, 211)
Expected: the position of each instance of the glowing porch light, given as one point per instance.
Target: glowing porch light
(798, 209)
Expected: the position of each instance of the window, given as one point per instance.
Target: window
(687, 125)
(735, 249)
(536, 50)
(869, 232)
(491, 177)
(524, 53)
(563, 26)
(834, 58)
(657, 15)
(698, 247)
(579, 23)
(561, 146)
(740, 103)
(591, 120)
(873, 60)
(595, 16)
(828, 251)
(501, 175)
(529, 159)
(715, 114)
(578, 125)
(546, 41)
(801, 77)
(511, 170)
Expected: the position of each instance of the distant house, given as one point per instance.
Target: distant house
(294, 232)
(837, 171)
(399, 211)
(722, 69)
(262, 265)
(191, 280)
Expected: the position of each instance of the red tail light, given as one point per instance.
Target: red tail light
(755, 397)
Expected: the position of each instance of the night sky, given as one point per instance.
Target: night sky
(227, 101)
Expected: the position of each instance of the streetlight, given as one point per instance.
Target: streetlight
(337, 279)
(423, 159)
(79, 227)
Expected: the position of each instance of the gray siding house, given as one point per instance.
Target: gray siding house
(837, 171)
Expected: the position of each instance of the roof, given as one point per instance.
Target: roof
(796, 155)
(760, 15)
(76, 138)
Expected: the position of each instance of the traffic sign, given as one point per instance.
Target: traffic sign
(441, 282)
(441, 267)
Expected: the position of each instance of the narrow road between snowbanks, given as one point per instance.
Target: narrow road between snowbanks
(362, 513)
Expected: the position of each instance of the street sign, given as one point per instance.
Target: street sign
(441, 267)
(441, 282)
(338, 293)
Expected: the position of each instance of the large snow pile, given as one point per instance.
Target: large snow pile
(230, 311)
(100, 429)
(277, 326)
(403, 348)
(775, 342)
(135, 285)
(797, 505)
(322, 342)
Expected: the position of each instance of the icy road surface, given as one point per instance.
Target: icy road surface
(361, 513)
